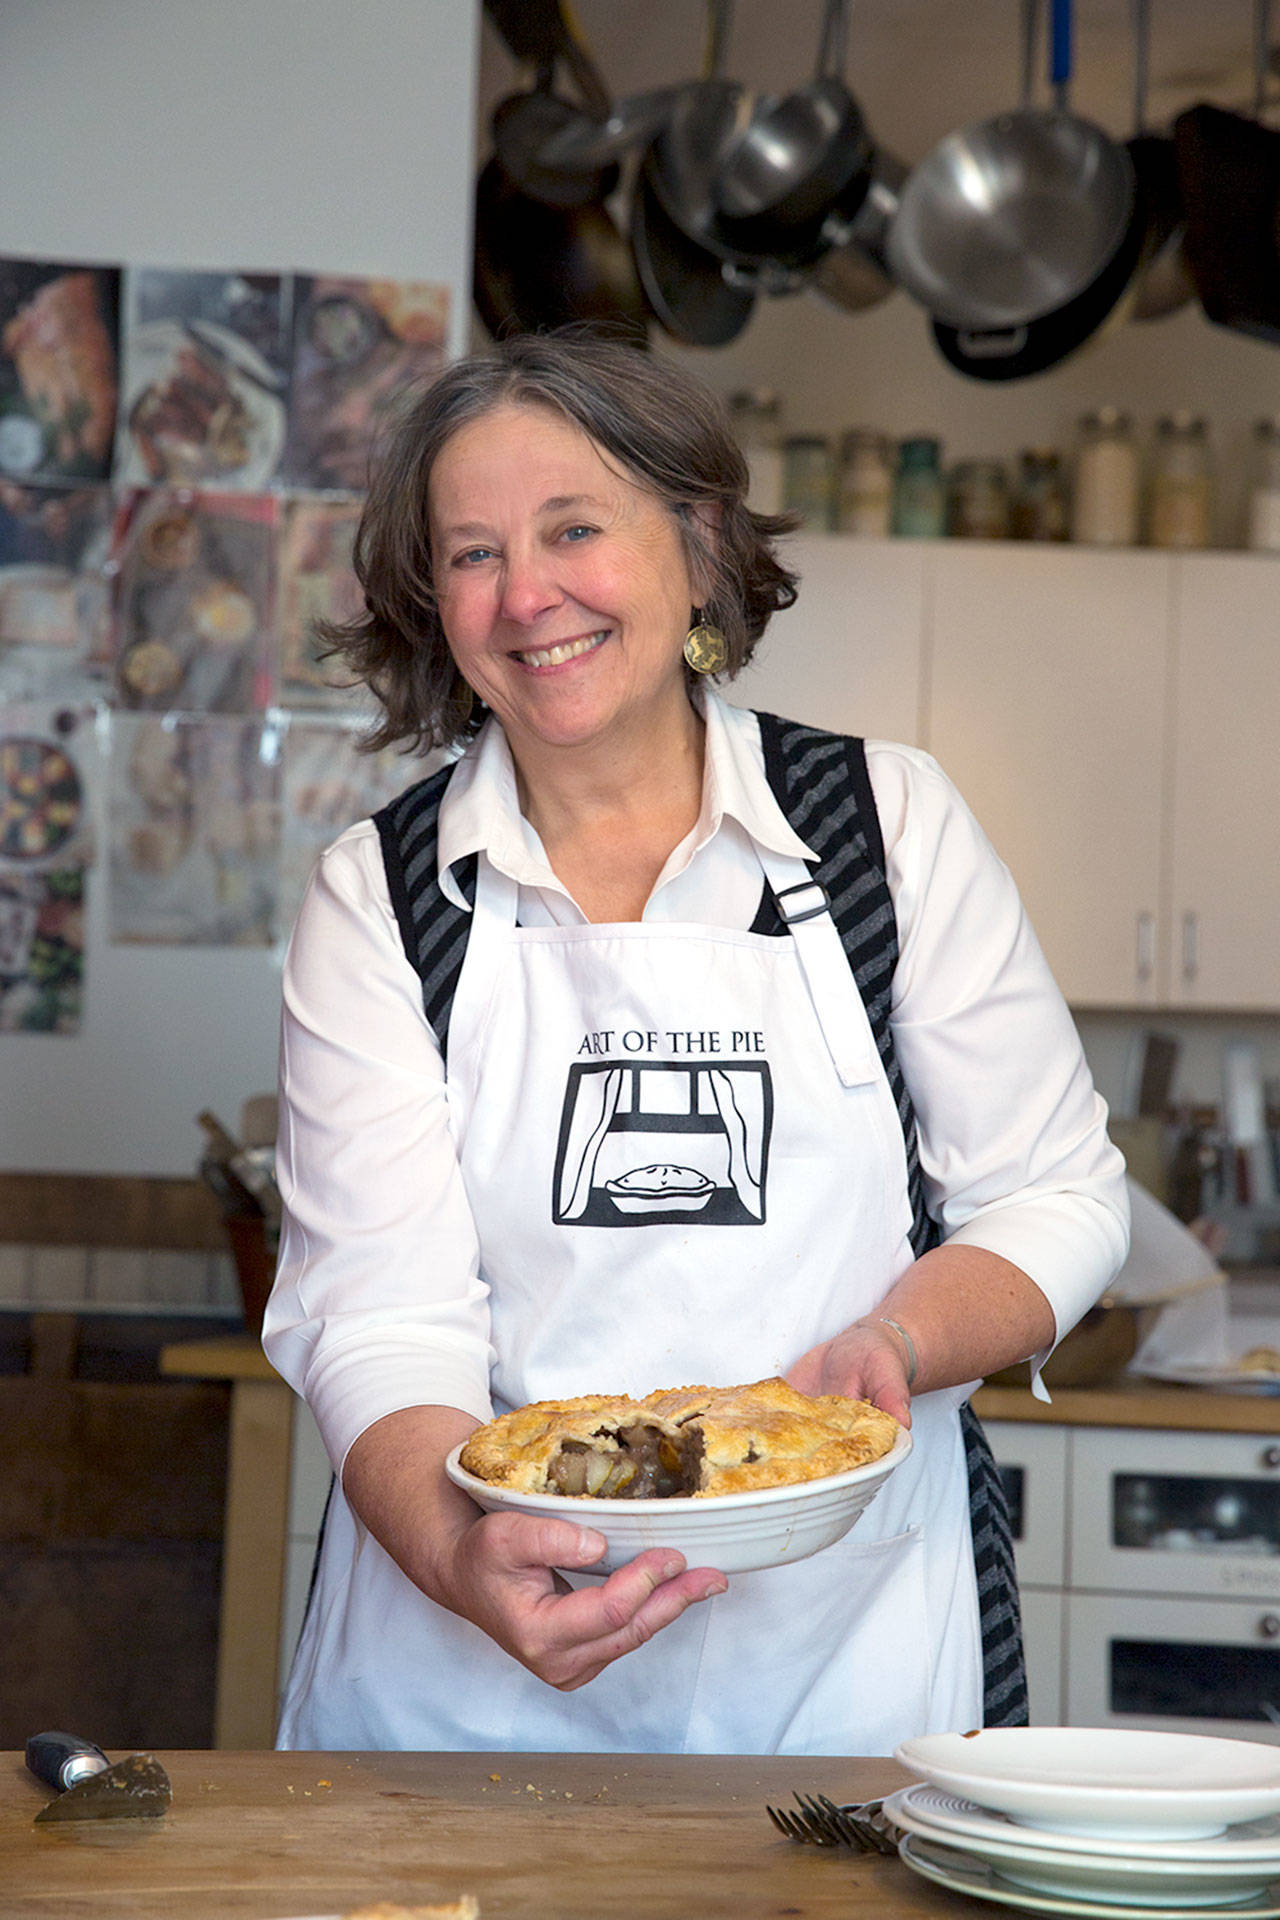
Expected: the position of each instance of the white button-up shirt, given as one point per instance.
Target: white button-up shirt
(379, 1303)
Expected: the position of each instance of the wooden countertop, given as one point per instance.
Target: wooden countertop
(1126, 1402)
(1131, 1402)
(229, 1356)
(262, 1836)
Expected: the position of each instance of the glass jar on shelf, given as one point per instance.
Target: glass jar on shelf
(864, 484)
(1105, 497)
(978, 502)
(1040, 508)
(756, 416)
(1264, 488)
(919, 490)
(808, 480)
(1180, 512)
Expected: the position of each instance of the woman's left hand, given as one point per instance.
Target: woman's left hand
(864, 1362)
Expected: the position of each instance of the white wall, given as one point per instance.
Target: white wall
(258, 134)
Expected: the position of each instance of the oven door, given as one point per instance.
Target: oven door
(1187, 1666)
(1176, 1513)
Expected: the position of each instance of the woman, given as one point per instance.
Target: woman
(560, 973)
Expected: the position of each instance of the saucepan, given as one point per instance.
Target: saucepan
(799, 160)
(1009, 220)
(705, 121)
(628, 125)
(855, 275)
(685, 284)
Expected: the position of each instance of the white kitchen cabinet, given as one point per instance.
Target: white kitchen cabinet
(1043, 1626)
(1225, 818)
(1032, 1461)
(1045, 696)
(848, 655)
(1110, 717)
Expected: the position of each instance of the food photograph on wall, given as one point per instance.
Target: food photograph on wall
(183, 454)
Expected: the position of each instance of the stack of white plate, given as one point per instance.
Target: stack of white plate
(1096, 1821)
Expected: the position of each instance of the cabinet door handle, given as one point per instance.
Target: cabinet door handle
(1146, 945)
(1269, 1626)
(1190, 945)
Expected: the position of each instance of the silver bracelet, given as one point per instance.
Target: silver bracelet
(907, 1342)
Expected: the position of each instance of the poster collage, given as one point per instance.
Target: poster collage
(182, 463)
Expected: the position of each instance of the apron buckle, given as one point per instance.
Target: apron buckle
(792, 917)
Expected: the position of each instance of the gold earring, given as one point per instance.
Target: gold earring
(705, 647)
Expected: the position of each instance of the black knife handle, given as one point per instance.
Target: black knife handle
(60, 1759)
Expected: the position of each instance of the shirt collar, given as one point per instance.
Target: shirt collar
(480, 810)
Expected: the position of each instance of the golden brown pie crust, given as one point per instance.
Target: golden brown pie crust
(762, 1435)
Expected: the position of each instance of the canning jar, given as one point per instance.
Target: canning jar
(756, 417)
(1041, 505)
(1104, 509)
(978, 507)
(1181, 504)
(1264, 488)
(864, 488)
(919, 491)
(807, 483)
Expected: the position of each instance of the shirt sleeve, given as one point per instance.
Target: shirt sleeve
(378, 1303)
(1013, 1142)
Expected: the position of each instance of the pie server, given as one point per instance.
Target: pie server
(89, 1787)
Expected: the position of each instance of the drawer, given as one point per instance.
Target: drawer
(1175, 1513)
(1032, 1460)
(1187, 1666)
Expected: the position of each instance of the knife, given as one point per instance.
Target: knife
(90, 1787)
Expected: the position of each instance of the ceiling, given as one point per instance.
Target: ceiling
(920, 68)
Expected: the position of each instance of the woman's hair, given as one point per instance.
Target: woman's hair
(668, 432)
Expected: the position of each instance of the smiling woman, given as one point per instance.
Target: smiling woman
(641, 437)
(651, 1041)
(566, 609)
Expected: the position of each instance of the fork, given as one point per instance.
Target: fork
(861, 1824)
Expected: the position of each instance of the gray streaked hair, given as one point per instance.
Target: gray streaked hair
(665, 428)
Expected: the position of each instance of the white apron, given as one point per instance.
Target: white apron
(687, 1168)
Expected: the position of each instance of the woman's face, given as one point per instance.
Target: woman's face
(563, 586)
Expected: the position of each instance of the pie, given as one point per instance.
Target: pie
(646, 1189)
(697, 1441)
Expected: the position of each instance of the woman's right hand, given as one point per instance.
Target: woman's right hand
(499, 1570)
(503, 1578)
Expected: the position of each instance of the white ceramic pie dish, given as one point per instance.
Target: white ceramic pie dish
(1115, 1781)
(734, 1532)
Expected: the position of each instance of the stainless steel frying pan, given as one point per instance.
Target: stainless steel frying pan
(1011, 219)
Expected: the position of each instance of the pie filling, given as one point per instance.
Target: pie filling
(635, 1462)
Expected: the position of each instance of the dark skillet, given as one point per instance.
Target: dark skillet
(683, 283)
(538, 267)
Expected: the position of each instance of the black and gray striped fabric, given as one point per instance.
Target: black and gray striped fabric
(820, 780)
(823, 787)
(433, 929)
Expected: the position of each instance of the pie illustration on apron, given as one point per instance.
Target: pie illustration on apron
(666, 1141)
